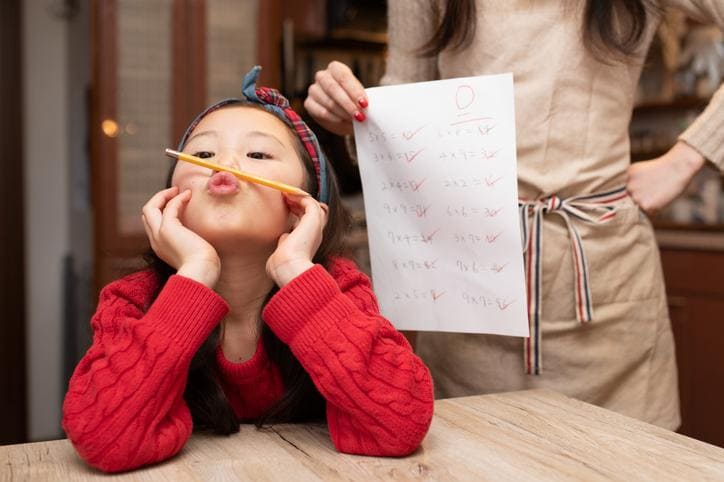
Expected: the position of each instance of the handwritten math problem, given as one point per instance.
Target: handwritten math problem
(441, 205)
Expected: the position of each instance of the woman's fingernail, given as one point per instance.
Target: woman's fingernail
(359, 116)
(362, 102)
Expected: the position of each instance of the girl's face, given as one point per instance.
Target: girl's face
(231, 214)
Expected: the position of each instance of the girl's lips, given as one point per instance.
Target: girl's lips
(223, 184)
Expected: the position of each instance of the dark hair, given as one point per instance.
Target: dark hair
(210, 409)
(602, 35)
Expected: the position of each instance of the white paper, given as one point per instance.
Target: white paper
(438, 167)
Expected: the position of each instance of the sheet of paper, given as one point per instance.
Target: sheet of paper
(438, 167)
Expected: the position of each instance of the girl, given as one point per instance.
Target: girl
(600, 330)
(245, 315)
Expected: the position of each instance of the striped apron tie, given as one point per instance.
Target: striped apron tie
(594, 208)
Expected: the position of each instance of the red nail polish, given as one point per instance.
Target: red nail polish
(362, 102)
(359, 116)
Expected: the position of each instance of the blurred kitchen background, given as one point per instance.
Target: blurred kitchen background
(91, 92)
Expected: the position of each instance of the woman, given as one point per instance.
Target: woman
(600, 330)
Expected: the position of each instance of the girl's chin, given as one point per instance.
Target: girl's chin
(238, 238)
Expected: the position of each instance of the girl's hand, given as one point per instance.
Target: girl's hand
(335, 98)
(174, 243)
(296, 249)
(654, 184)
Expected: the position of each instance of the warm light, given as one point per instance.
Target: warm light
(110, 127)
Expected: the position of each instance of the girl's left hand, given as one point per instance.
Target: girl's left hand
(296, 249)
(654, 184)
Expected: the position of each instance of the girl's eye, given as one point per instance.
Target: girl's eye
(204, 154)
(259, 155)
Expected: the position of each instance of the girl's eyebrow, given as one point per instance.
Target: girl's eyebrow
(266, 134)
(202, 133)
(250, 133)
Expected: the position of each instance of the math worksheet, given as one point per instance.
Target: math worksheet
(438, 167)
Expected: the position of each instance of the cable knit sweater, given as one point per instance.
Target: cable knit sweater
(125, 408)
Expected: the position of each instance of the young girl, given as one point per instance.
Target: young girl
(244, 314)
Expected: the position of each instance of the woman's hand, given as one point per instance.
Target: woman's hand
(181, 248)
(654, 184)
(296, 249)
(335, 98)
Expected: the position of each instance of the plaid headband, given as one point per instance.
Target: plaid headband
(274, 102)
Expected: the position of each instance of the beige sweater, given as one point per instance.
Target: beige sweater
(572, 112)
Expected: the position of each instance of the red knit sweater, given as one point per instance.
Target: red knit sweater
(125, 408)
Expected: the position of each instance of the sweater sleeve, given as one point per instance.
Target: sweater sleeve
(379, 393)
(124, 407)
(706, 133)
(411, 23)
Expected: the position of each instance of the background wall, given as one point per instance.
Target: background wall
(55, 69)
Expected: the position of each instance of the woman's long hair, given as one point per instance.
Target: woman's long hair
(611, 28)
(210, 409)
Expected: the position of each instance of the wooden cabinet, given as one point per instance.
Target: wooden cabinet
(694, 280)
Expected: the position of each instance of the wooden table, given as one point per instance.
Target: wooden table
(531, 435)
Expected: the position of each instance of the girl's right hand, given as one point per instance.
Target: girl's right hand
(181, 248)
(336, 98)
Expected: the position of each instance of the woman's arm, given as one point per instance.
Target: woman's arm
(379, 393)
(655, 183)
(124, 407)
(706, 134)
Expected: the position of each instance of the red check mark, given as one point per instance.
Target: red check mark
(422, 211)
(491, 238)
(410, 134)
(485, 130)
(503, 305)
(491, 181)
(416, 185)
(491, 213)
(410, 156)
(435, 295)
(428, 238)
(498, 268)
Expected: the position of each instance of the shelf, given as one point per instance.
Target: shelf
(691, 227)
(681, 103)
(357, 42)
(689, 237)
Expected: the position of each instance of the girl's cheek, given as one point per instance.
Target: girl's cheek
(186, 178)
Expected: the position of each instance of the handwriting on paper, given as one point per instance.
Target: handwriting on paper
(441, 204)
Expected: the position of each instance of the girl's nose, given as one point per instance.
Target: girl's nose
(227, 158)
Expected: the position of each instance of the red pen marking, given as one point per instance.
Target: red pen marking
(411, 157)
(436, 296)
(475, 119)
(485, 130)
(422, 211)
(491, 213)
(491, 239)
(431, 264)
(416, 185)
(489, 154)
(502, 305)
(498, 268)
(461, 93)
(428, 238)
(410, 134)
(490, 181)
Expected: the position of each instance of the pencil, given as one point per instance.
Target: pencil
(279, 186)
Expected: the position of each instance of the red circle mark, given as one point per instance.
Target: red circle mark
(464, 96)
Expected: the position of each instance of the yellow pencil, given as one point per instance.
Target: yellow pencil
(279, 186)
